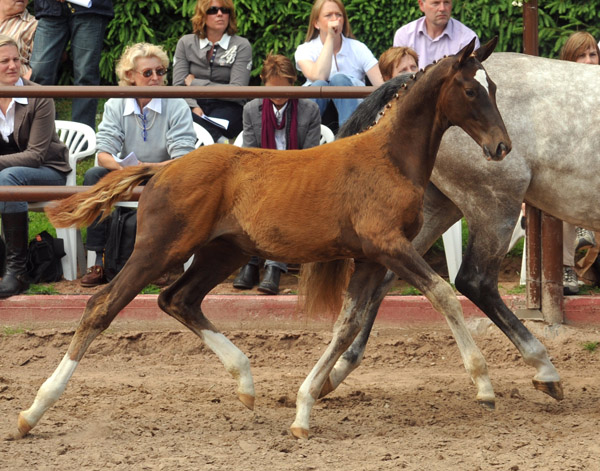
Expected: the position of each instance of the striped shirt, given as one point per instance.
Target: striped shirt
(21, 28)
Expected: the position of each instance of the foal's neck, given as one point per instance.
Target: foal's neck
(415, 126)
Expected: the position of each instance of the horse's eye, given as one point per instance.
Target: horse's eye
(470, 92)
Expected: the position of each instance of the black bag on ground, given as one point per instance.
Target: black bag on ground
(120, 241)
(43, 258)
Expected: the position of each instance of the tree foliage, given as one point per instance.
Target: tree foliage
(279, 26)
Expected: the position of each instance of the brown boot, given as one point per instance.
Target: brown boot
(93, 277)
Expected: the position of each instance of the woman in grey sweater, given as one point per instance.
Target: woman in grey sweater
(214, 55)
(155, 131)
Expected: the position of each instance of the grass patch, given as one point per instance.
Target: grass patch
(410, 291)
(150, 289)
(42, 289)
(591, 346)
(520, 289)
(6, 330)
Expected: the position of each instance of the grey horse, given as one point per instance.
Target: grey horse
(550, 109)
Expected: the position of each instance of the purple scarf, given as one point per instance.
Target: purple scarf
(269, 124)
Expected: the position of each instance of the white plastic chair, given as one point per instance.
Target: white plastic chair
(81, 141)
(326, 135)
(204, 137)
(239, 140)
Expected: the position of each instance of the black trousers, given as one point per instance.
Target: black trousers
(232, 112)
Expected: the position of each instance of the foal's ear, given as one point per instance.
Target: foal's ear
(465, 52)
(484, 51)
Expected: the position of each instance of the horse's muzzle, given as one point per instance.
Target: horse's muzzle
(501, 151)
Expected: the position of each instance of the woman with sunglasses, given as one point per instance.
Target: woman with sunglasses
(155, 130)
(214, 55)
(30, 154)
(331, 56)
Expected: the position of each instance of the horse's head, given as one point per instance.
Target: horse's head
(469, 101)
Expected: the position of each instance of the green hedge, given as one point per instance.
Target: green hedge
(280, 25)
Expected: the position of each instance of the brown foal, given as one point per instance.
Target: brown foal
(359, 197)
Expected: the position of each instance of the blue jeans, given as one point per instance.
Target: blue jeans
(345, 106)
(86, 33)
(28, 176)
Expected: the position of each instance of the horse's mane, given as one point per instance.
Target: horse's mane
(366, 113)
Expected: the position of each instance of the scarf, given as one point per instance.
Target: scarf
(269, 124)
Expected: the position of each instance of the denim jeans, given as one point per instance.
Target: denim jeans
(268, 263)
(28, 176)
(86, 33)
(345, 106)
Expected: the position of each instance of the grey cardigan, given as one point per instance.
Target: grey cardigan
(36, 138)
(230, 67)
(309, 123)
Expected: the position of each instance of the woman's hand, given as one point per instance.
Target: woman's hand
(334, 27)
(197, 110)
(188, 79)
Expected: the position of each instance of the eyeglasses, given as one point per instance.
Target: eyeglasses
(215, 10)
(148, 72)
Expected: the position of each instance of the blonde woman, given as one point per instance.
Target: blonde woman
(30, 154)
(214, 55)
(155, 130)
(331, 56)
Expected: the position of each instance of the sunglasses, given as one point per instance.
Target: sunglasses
(148, 72)
(215, 10)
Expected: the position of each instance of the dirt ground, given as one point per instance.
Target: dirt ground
(150, 396)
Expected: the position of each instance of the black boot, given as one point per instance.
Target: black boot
(247, 278)
(16, 235)
(270, 281)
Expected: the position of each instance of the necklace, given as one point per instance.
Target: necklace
(144, 126)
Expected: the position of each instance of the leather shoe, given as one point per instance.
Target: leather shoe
(247, 278)
(270, 281)
(93, 277)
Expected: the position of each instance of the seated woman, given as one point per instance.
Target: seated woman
(214, 55)
(30, 154)
(580, 47)
(156, 130)
(331, 56)
(398, 60)
(277, 123)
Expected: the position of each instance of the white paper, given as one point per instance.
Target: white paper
(220, 122)
(128, 161)
(82, 3)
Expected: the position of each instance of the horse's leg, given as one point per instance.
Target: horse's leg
(367, 276)
(212, 264)
(99, 312)
(439, 214)
(408, 264)
(478, 280)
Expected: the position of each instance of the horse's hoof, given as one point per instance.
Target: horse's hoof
(327, 388)
(300, 433)
(23, 427)
(489, 404)
(247, 400)
(552, 388)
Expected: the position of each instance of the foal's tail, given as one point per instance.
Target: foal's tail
(81, 209)
(322, 285)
